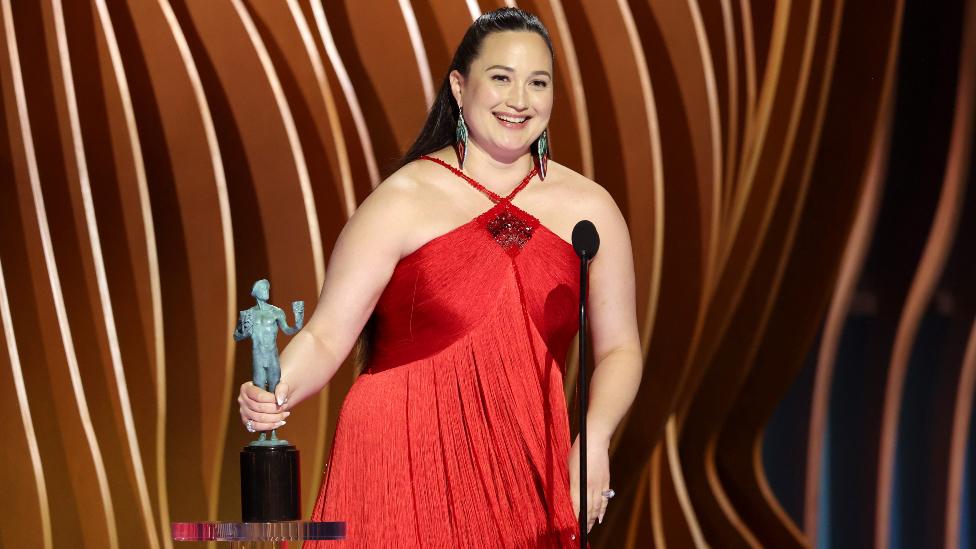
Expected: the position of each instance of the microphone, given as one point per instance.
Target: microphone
(586, 241)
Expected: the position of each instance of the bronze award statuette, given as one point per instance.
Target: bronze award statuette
(270, 484)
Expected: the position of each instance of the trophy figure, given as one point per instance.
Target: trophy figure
(269, 466)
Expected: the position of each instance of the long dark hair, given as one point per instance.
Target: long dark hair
(438, 131)
(439, 128)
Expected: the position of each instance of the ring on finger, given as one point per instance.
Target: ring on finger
(608, 493)
(250, 426)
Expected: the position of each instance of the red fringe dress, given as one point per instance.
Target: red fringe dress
(457, 435)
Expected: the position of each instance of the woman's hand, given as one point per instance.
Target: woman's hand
(597, 478)
(262, 408)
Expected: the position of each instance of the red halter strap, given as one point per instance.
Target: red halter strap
(493, 196)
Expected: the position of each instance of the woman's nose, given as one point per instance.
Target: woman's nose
(517, 99)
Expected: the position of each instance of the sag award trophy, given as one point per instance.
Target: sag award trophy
(270, 487)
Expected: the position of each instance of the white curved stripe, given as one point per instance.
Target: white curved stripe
(657, 176)
(715, 134)
(961, 426)
(295, 144)
(47, 248)
(152, 259)
(342, 154)
(473, 8)
(748, 117)
(576, 88)
(678, 478)
(754, 147)
(417, 42)
(210, 134)
(16, 372)
(18, 379)
(322, 24)
(107, 312)
(942, 234)
(732, 135)
(851, 265)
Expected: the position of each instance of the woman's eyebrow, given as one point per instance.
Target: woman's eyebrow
(510, 69)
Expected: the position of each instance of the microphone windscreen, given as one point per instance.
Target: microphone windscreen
(585, 239)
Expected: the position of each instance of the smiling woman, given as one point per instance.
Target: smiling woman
(458, 274)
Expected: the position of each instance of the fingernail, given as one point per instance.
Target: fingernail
(281, 400)
(600, 520)
(286, 414)
(282, 422)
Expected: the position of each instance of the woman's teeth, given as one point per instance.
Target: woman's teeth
(511, 119)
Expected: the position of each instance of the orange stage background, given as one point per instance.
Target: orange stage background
(161, 155)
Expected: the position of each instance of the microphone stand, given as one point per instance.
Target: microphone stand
(582, 390)
(586, 242)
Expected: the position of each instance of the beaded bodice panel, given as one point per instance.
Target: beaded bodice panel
(509, 230)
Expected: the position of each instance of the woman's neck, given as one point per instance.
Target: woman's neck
(496, 171)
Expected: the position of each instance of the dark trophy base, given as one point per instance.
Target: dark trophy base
(270, 484)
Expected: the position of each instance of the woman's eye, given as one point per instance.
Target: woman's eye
(499, 78)
(540, 83)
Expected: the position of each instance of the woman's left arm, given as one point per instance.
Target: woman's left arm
(612, 313)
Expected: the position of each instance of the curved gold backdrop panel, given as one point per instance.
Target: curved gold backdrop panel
(158, 156)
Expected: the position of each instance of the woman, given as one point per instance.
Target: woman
(456, 434)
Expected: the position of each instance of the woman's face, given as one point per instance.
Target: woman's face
(507, 95)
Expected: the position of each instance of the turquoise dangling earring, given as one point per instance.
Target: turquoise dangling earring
(542, 153)
(461, 139)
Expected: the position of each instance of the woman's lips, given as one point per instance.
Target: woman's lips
(510, 121)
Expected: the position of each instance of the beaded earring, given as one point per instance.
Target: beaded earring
(461, 139)
(542, 152)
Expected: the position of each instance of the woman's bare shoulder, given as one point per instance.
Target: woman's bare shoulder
(395, 197)
(587, 195)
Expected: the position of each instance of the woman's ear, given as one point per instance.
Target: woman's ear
(457, 82)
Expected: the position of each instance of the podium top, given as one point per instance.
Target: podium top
(257, 531)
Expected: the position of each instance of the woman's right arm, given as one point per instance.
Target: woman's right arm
(365, 254)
